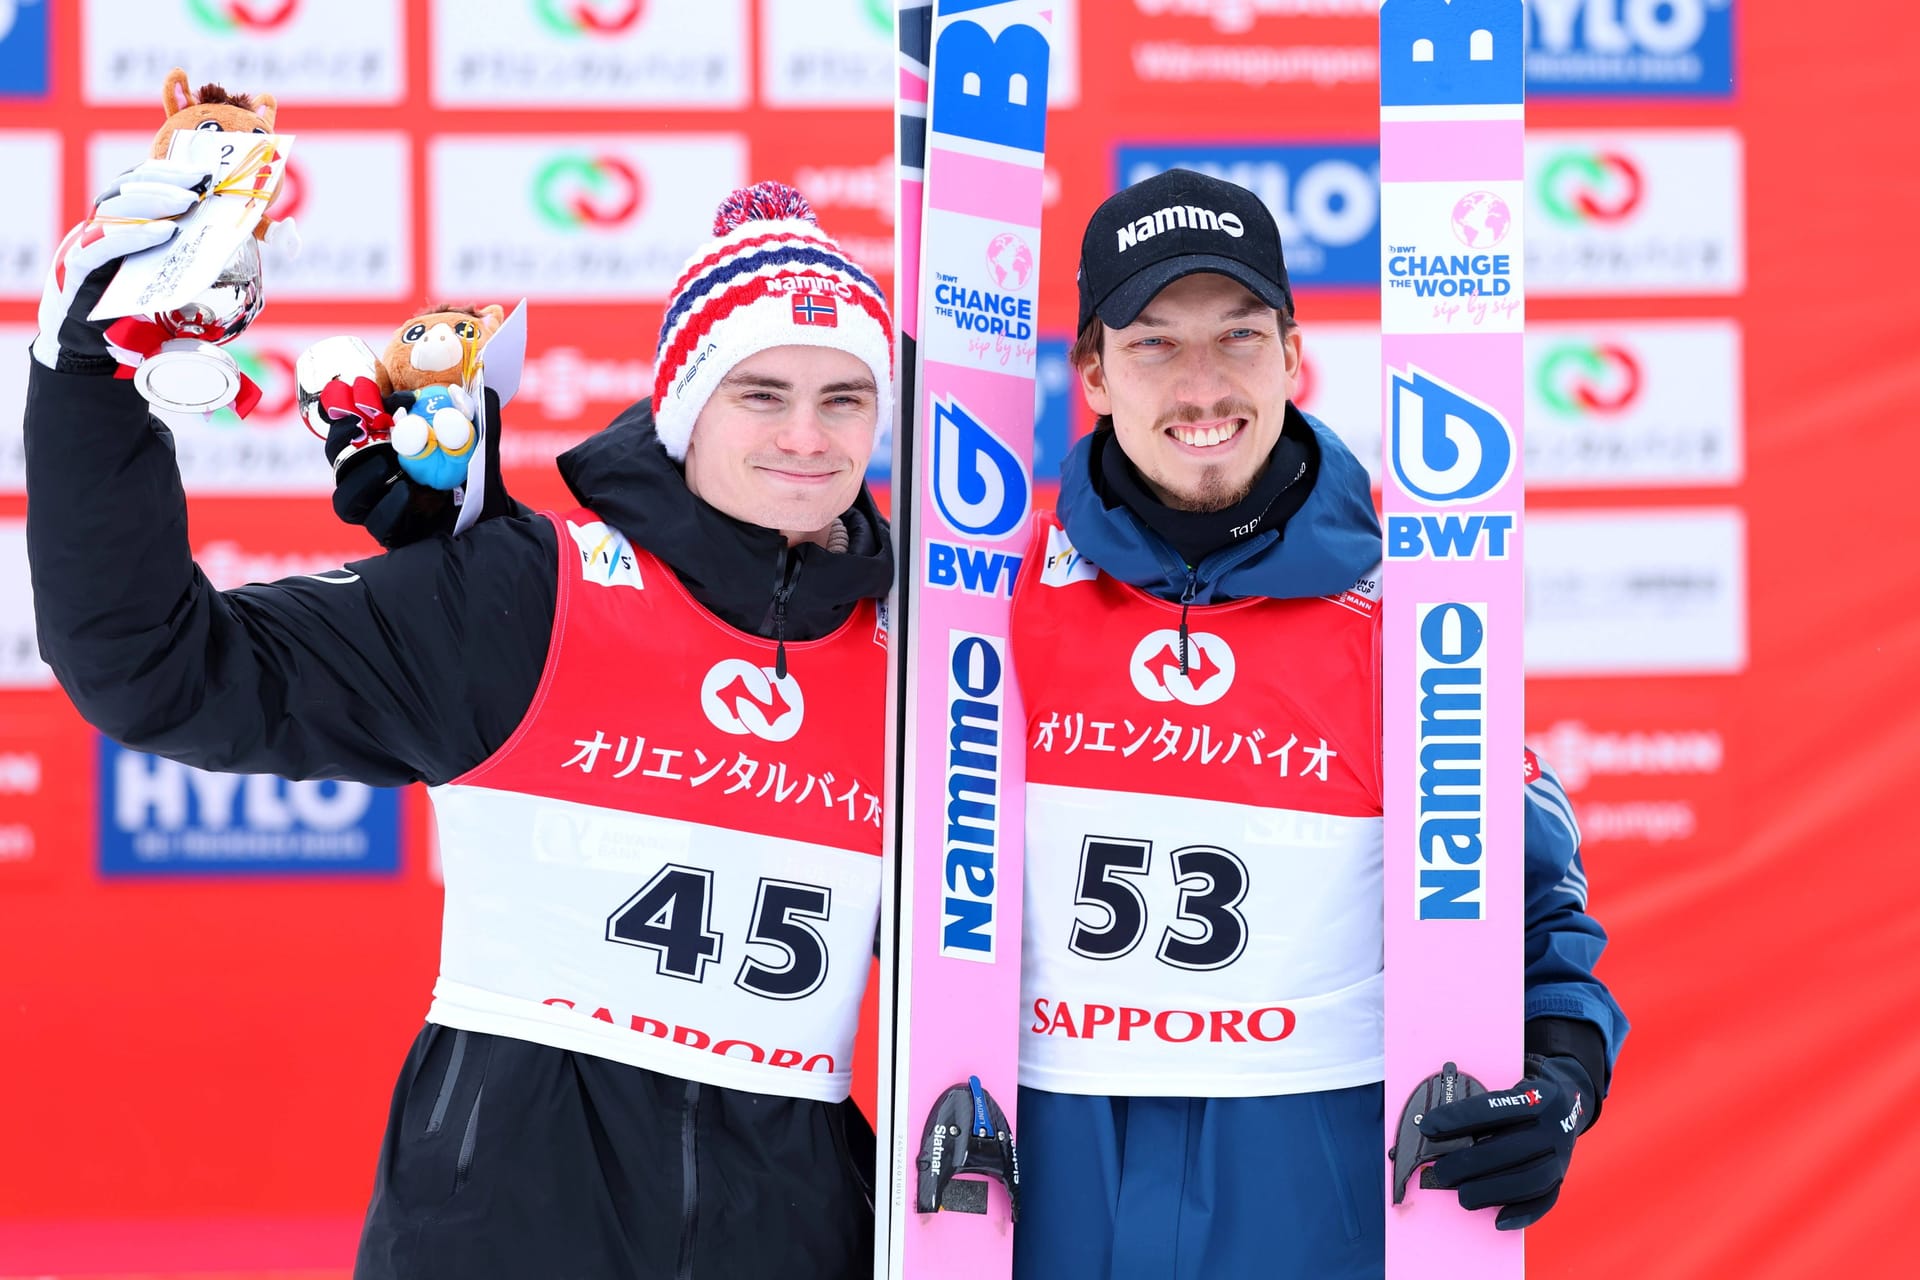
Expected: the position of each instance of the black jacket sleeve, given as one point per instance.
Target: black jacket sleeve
(414, 665)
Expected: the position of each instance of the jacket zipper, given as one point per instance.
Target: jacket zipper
(789, 577)
(1186, 598)
(689, 1180)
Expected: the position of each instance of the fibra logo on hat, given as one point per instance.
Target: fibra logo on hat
(980, 485)
(571, 191)
(1589, 186)
(241, 15)
(742, 698)
(585, 17)
(1577, 379)
(1445, 446)
(1155, 668)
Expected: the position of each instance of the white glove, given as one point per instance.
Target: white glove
(135, 213)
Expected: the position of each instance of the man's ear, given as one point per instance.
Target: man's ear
(1093, 387)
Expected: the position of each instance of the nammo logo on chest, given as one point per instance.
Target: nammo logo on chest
(1155, 667)
(741, 698)
(573, 190)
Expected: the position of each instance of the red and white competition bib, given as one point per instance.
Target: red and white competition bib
(674, 861)
(1203, 846)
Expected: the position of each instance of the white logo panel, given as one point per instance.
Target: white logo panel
(590, 53)
(31, 230)
(351, 246)
(575, 217)
(1638, 403)
(1452, 257)
(1653, 592)
(343, 51)
(20, 665)
(1635, 211)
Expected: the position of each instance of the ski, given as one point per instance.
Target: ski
(971, 117)
(1452, 112)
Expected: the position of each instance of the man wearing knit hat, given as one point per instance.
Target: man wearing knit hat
(652, 730)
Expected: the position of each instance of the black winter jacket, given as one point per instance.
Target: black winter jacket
(501, 1157)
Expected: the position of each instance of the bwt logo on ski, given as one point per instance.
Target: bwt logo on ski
(976, 671)
(1325, 200)
(1446, 448)
(1630, 47)
(1452, 768)
(584, 17)
(1155, 668)
(226, 16)
(1578, 379)
(574, 191)
(1578, 187)
(981, 491)
(740, 697)
(160, 817)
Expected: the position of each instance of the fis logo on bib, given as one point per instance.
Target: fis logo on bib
(1451, 793)
(742, 698)
(1630, 48)
(1446, 448)
(976, 696)
(1156, 667)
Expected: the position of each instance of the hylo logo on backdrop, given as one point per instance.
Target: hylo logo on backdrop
(575, 190)
(1621, 26)
(741, 698)
(1578, 378)
(1324, 200)
(586, 17)
(241, 15)
(1445, 447)
(1452, 772)
(1589, 186)
(1155, 668)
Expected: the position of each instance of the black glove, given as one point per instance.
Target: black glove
(370, 489)
(1522, 1140)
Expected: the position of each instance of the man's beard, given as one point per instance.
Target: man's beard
(1213, 494)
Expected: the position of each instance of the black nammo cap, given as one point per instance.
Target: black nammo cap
(1171, 225)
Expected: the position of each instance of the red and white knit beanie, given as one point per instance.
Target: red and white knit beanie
(772, 278)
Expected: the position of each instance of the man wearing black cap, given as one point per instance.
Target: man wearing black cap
(1197, 638)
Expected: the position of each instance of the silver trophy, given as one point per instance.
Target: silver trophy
(189, 373)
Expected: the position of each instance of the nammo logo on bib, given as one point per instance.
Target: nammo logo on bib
(742, 698)
(1155, 668)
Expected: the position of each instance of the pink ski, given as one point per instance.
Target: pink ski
(973, 76)
(1451, 120)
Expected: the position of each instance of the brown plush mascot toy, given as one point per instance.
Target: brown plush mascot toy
(214, 108)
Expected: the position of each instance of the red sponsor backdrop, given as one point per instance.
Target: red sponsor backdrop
(198, 1069)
